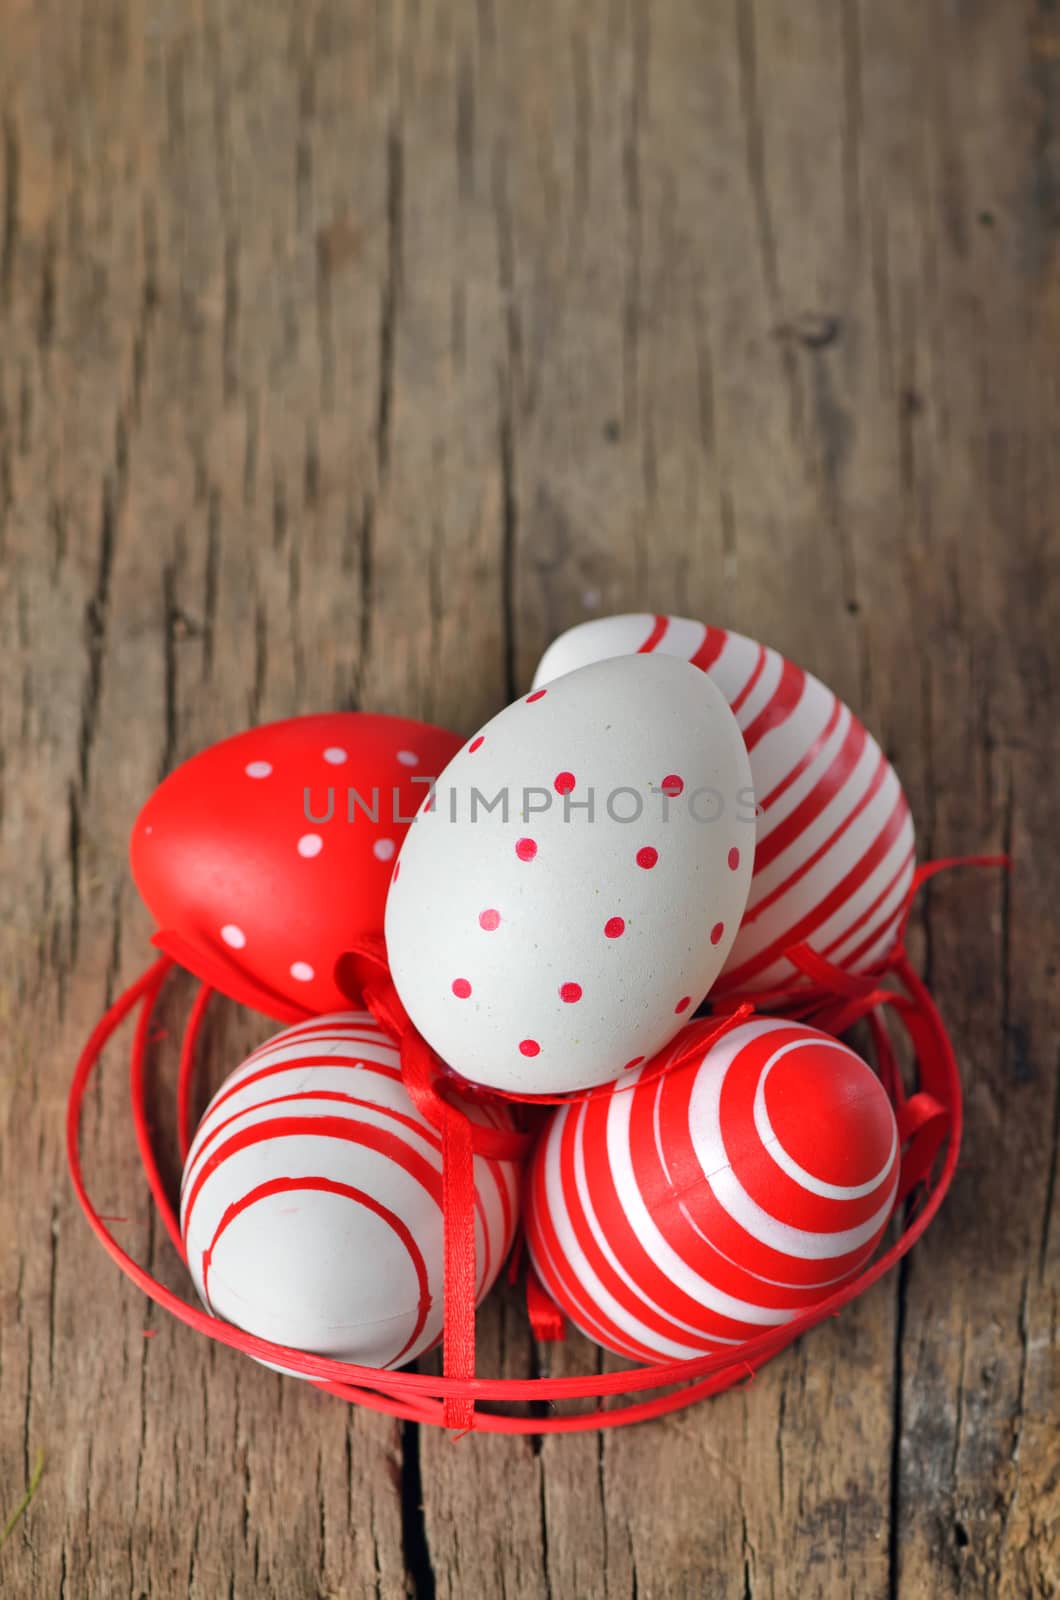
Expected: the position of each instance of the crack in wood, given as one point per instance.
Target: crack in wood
(9, 209)
(414, 1538)
(388, 315)
(1050, 1178)
(894, 1540)
(509, 536)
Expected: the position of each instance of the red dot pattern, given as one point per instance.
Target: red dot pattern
(819, 890)
(646, 858)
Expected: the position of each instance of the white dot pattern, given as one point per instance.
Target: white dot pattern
(408, 758)
(258, 769)
(335, 755)
(302, 971)
(309, 845)
(383, 849)
(233, 936)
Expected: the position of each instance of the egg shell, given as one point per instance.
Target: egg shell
(543, 951)
(255, 887)
(311, 1202)
(835, 851)
(682, 1214)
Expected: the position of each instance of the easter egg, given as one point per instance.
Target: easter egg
(572, 889)
(834, 858)
(678, 1214)
(311, 1202)
(264, 856)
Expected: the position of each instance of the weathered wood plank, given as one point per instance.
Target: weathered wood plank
(347, 354)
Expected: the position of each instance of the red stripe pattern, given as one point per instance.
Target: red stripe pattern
(835, 855)
(677, 1214)
(311, 1202)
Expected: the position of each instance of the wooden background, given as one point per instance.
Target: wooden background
(347, 353)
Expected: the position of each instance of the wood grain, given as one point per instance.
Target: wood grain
(349, 352)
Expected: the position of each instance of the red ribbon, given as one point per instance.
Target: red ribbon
(431, 1088)
(462, 1139)
(546, 1319)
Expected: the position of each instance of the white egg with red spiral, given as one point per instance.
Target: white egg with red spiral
(671, 1215)
(567, 898)
(311, 1203)
(834, 859)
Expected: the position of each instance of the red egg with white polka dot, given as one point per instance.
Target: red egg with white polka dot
(678, 1214)
(264, 856)
(834, 856)
(312, 1198)
(569, 895)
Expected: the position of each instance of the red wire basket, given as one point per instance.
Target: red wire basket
(929, 1123)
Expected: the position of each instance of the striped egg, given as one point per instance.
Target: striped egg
(834, 855)
(674, 1215)
(311, 1203)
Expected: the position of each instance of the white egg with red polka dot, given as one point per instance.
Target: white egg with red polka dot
(572, 886)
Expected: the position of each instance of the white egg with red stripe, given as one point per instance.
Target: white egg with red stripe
(568, 897)
(835, 856)
(311, 1203)
(676, 1214)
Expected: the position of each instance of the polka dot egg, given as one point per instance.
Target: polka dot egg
(575, 884)
(239, 852)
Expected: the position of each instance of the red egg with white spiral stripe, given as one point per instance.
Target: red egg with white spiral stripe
(311, 1203)
(834, 856)
(674, 1215)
